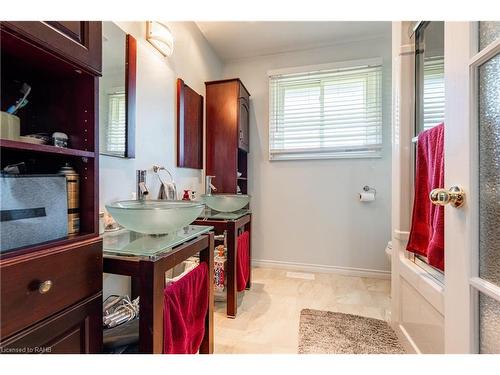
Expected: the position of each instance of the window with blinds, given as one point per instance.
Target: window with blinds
(327, 113)
(115, 137)
(433, 105)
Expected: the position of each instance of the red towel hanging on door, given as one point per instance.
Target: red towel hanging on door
(427, 225)
(243, 261)
(184, 312)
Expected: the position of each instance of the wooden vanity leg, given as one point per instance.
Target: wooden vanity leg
(249, 229)
(232, 292)
(134, 286)
(151, 285)
(207, 255)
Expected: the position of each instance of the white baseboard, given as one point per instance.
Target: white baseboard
(305, 267)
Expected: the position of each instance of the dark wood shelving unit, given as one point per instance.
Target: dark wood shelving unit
(227, 148)
(61, 62)
(63, 98)
(228, 137)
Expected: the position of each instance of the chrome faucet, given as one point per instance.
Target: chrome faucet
(142, 190)
(208, 185)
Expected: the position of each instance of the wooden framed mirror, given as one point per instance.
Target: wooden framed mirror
(117, 92)
(189, 127)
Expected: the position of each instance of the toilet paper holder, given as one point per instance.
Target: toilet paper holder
(368, 188)
(368, 194)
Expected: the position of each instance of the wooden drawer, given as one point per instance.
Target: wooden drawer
(75, 272)
(76, 330)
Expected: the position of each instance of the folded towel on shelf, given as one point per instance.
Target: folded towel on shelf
(427, 226)
(243, 261)
(185, 309)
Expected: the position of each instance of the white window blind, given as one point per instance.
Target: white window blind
(115, 137)
(433, 92)
(327, 113)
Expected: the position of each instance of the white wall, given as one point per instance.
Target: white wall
(306, 211)
(195, 62)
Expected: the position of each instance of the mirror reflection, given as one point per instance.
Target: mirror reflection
(429, 75)
(113, 92)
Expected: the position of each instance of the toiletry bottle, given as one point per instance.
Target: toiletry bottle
(219, 266)
(73, 187)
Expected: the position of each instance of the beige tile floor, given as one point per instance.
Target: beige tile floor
(268, 314)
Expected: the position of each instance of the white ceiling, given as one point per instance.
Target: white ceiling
(238, 40)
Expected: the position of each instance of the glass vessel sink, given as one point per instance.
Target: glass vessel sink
(226, 202)
(154, 216)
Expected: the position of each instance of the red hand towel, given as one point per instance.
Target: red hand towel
(242, 261)
(185, 308)
(427, 226)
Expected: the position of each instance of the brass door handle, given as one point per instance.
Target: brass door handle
(45, 286)
(454, 196)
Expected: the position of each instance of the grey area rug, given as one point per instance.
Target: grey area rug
(326, 332)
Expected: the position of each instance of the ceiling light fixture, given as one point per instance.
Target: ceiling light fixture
(160, 36)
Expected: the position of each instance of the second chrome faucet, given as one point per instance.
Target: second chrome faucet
(208, 185)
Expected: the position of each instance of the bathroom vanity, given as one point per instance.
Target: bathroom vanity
(230, 225)
(146, 258)
(227, 148)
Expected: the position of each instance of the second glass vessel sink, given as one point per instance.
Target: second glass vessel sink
(154, 216)
(226, 202)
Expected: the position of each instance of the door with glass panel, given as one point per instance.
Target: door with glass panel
(472, 162)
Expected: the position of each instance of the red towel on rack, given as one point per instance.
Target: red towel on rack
(243, 261)
(427, 226)
(185, 308)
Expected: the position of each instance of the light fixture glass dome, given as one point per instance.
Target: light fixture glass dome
(160, 36)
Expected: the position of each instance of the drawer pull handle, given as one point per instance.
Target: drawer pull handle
(45, 287)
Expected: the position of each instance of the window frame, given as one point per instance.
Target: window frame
(323, 153)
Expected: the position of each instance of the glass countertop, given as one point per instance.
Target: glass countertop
(128, 243)
(208, 213)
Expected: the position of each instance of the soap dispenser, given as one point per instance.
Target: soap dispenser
(186, 196)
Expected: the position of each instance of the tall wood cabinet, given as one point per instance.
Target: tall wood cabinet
(51, 293)
(228, 137)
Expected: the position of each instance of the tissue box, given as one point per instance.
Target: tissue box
(33, 208)
(9, 126)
